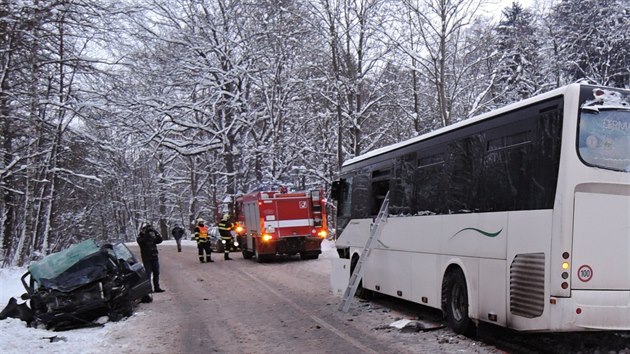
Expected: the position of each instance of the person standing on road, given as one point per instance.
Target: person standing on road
(178, 233)
(203, 241)
(148, 239)
(225, 230)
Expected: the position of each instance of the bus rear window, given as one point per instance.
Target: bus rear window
(604, 138)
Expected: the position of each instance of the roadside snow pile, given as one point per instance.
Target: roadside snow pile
(328, 248)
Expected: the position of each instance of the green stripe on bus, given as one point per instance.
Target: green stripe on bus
(485, 233)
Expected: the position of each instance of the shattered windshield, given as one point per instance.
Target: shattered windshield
(55, 264)
(604, 130)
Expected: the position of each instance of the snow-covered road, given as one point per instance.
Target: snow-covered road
(237, 306)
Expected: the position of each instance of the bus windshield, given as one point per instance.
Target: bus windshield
(604, 138)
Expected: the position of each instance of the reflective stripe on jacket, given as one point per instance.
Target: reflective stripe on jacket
(224, 229)
(201, 233)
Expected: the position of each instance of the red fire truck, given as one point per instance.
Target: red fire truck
(281, 222)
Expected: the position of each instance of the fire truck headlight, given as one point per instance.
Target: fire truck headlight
(266, 237)
(322, 234)
(223, 242)
(235, 243)
(239, 229)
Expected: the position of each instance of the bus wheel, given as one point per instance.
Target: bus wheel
(361, 293)
(455, 302)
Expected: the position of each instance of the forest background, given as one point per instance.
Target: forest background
(117, 112)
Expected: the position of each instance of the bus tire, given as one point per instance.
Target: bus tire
(361, 293)
(455, 302)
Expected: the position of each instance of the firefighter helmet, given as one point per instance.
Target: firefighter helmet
(226, 217)
(200, 221)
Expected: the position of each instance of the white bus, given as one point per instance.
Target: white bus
(519, 217)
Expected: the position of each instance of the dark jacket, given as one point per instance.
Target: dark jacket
(225, 226)
(177, 232)
(147, 240)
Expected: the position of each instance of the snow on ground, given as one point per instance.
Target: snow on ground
(17, 338)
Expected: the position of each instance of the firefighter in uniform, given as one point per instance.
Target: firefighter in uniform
(203, 241)
(225, 228)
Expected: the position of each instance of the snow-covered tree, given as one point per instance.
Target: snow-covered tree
(593, 40)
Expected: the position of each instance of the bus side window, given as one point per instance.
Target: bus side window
(380, 187)
(429, 185)
(547, 151)
(334, 190)
(344, 196)
(507, 163)
(401, 198)
(463, 174)
(360, 195)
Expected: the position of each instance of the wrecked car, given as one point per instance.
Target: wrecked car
(74, 287)
(217, 244)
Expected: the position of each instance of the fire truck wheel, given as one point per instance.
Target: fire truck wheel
(247, 254)
(309, 255)
(259, 257)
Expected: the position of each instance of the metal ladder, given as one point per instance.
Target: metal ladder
(357, 274)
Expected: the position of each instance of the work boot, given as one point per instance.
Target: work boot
(227, 257)
(208, 259)
(201, 260)
(158, 290)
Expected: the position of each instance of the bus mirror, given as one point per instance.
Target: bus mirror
(334, 190)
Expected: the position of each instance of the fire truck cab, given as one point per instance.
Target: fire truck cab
(280, 222)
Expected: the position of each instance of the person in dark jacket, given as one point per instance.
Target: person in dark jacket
(148, 239)
(178, 233)
(225, 230)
